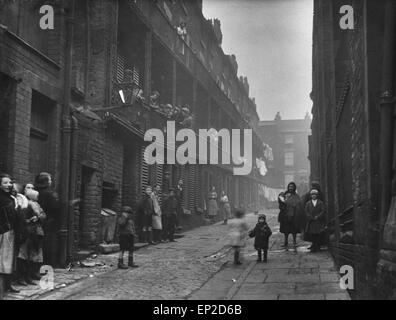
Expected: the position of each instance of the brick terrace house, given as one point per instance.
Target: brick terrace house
(56, 84)
(289, 142)
(352, 149)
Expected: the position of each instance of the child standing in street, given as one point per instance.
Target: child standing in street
(261, 233)
(127, 237)
(238, 235)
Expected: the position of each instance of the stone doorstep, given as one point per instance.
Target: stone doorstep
(109, 248)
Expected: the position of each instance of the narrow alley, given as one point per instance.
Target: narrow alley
(199, 267)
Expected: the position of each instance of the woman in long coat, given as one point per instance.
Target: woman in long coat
(49, 202)
(290, 216)
(145, 214)
(8, 229)
(304, 200)
(315, 213)
(225, 207)
(212, 204)
(157, 216)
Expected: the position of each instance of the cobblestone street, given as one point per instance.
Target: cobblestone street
(199, 267)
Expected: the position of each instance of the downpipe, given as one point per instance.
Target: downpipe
(72, 187)
(387, 257)
(386, 115)
(66, 138)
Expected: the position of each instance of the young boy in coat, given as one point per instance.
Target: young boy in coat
(127, 237)
(261, 233)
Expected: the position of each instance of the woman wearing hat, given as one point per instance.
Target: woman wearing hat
(315, 213)
(290, 213)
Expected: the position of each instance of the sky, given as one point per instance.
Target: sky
(272, 40)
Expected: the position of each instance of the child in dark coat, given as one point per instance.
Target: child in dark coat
(261, 233)
(127, 237)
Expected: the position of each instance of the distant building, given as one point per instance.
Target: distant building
(289, 142)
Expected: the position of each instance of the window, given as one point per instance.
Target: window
(289, 158)
(40, 131)
(289, 139)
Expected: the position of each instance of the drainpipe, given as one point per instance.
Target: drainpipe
(66, 137)
(387, 105)
(72, 186)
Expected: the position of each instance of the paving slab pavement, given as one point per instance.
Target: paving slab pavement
(289, 274)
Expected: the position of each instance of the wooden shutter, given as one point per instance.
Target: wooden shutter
(192, 187)
(120, 67)
(144, 178)
(136, 76)
(159, 168)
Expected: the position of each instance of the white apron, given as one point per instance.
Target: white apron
(7, 252)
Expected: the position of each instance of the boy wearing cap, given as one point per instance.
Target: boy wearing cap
(127, 237)
(315, 213)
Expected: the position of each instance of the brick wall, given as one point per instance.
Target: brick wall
(87, 220)
(357, 56)
(37, 74)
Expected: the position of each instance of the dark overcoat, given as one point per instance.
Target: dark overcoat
(261, 234)
(316, 219)
(8, 213)
(290, 216)
(50, 203)
(170, 206)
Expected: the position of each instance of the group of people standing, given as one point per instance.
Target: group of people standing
(28, 218)
(305, 215)
(158, 223)
(223, 207)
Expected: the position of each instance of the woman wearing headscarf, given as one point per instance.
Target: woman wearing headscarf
(157, 216)
(212, 204)
(8, 229)
(146, 212)
(290, 217)
(49, 202)
(225, 207)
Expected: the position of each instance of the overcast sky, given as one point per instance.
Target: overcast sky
(272, 40)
